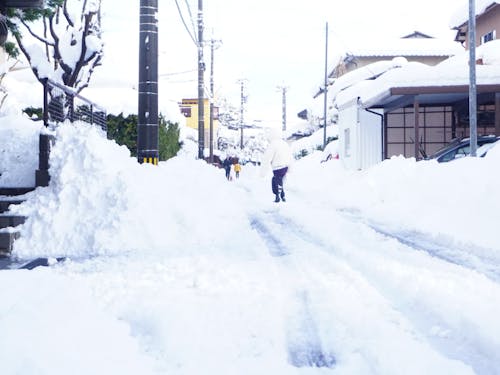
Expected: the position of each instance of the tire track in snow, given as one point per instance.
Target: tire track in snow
(304, 345)
(331, 303)
(484, 263)
(450, 341)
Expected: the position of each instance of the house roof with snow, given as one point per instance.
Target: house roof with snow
(414, 46)
(461, 15)
(451, 73)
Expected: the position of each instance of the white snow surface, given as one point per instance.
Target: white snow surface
(175, 270)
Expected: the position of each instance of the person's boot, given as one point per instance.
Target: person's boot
(277, 198)
(281, 192)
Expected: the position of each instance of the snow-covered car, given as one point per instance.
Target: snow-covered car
(483, 150)
(460, 148)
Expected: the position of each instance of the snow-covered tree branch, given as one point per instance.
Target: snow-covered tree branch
(62, 41)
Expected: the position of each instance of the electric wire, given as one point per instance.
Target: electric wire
(193, 38)
(177, 73)
(191, 16)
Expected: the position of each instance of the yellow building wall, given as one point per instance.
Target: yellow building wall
(189, 108)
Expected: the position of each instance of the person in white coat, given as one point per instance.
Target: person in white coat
(278, 155)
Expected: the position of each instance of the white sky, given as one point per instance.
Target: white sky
(269, 43)
(280, 42)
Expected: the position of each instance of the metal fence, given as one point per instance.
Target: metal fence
(62, 103)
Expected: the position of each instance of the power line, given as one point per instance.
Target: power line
(193, 24)
(177, 73)
(193, 38)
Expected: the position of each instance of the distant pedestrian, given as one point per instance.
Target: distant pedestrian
(227, 167)
(237, 169)
(279, 156)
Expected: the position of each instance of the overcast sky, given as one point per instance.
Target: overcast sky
(269, 43)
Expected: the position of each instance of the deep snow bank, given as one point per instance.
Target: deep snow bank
(101, 201)
(456, 201)
(18, 151)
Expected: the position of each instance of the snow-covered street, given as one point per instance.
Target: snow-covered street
(215, 278)
(376, 263)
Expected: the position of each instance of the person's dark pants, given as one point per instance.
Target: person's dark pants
(228, 172)
(277, 182)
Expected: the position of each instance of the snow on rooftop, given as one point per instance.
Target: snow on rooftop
(407, 47)
(451, 72)
(370, 71)
(461, 15)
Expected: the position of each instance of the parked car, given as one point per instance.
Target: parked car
(460, 148)
(483, 150)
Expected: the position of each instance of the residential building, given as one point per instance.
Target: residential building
(487, 22)
(189, 108)
(416, 46)
(414, 109)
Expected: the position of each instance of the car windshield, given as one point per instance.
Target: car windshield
(444, 148)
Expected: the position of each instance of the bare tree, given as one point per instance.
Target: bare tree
(61, 41)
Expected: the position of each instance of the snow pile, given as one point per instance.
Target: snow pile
(439, 199)
(99, 202)
(18, 151)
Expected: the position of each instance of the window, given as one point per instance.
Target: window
(186, 111)
(489, 36)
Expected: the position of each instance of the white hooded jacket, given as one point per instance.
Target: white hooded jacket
(278, 154)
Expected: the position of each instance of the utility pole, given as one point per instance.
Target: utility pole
(472, 79)
(284, 90)
(326, 87)
(243, 100)
(212, 97)
(201, 84)
(147, 124)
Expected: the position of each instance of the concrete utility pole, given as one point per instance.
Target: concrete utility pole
(243, 100)
(326, 87)
(472, 79)
(283, 90)
(201, 84)
(147, 124)
(213, 44)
